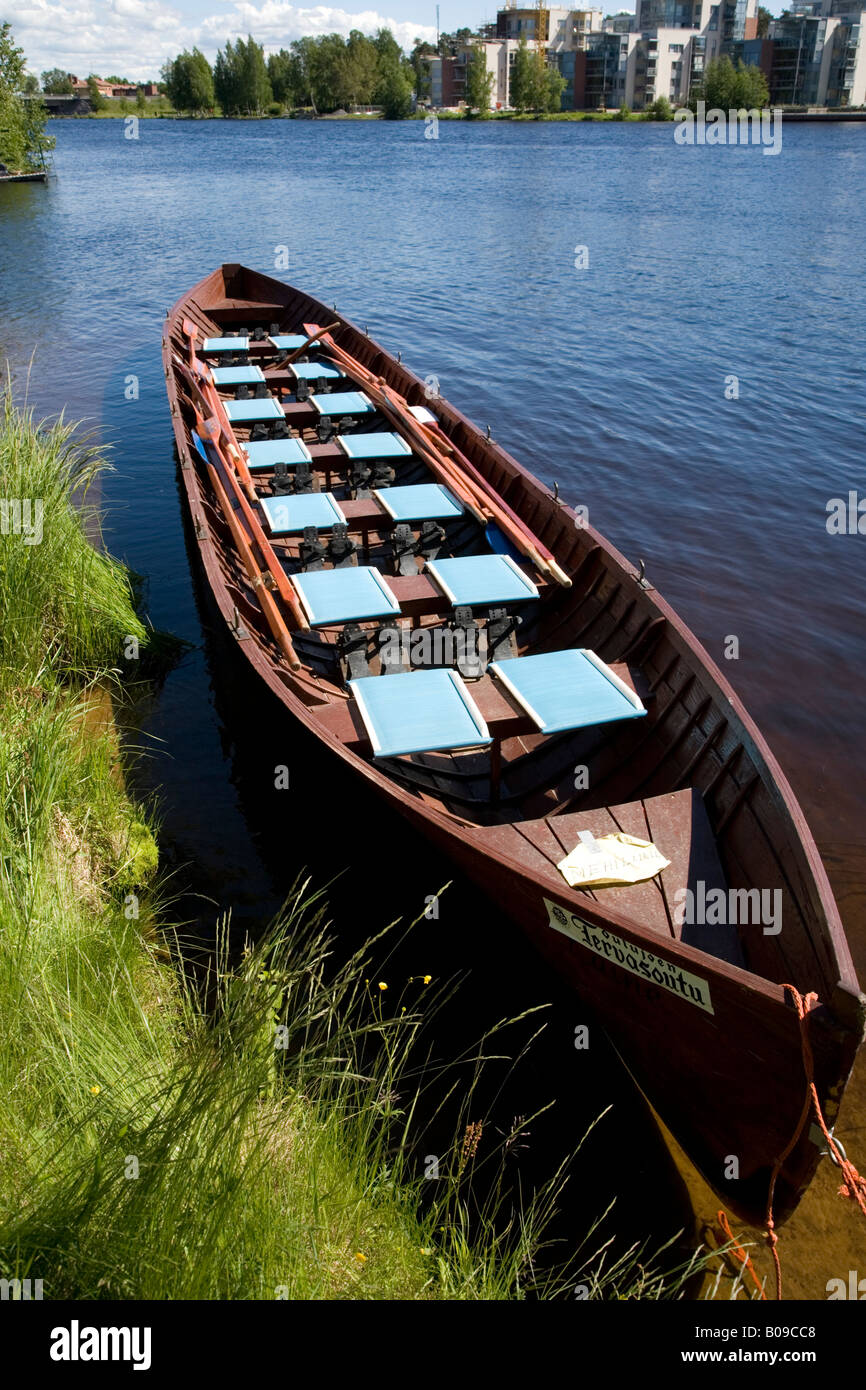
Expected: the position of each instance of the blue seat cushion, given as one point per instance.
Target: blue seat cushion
(237, 376)
(268, 408)
(418, 502)
(343, 403)
(287, 514)
(418, 712)
(225, 344)
(383, 445)
(480, 579)
(266, 453)
(345, 595)
(289, 342)
(315, 371)
(567, 690)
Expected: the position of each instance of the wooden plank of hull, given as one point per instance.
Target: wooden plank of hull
(734, 1083)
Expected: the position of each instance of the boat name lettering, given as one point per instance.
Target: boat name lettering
(635, 959)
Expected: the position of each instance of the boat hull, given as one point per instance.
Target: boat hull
(716, 1049)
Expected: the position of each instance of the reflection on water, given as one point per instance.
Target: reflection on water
(703, 264)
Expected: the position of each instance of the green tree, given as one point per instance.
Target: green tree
(94, 96)
(389, 51)
(660, 110)
(240, 79)
(304, 52)
(395, 95)
(420, 59)
(750, 87)
(729, 88)
(55, 82)
(330, 72)
(22, 121)
(522, 79)
(479, 82)
(189, 82)
(286, 78)
(764, 18)
(362, 68)
(552, 86)
(534, 86)
(394, 82)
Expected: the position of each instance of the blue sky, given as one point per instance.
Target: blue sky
(132, 38)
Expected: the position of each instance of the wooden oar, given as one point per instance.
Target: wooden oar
(393, 404)
(486, 496)
(211, 431)
(236, 452)
(314, 338)
(555, 569)
(208, 428)
(208, 403)
(203, 373)
(485, 493)
(482, 501)
(439, 466)
(190, 331)
(263, 593)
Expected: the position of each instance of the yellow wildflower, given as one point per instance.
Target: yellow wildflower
(94, 1090)
(382, 985)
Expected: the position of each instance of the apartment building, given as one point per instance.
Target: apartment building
(662, 50)
(814, 55)
(565, 30)
(448, 74)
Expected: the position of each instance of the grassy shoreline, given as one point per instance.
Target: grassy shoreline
(243, 1134)
(155, 1141)
(356, 116)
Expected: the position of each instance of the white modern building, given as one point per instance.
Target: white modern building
(659, 51)
(815, 55)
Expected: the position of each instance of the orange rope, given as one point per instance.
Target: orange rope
(853, 1186)
(739, 1253)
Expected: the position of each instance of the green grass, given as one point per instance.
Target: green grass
(239, 1132)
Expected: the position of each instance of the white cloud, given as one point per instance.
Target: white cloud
(133, 38)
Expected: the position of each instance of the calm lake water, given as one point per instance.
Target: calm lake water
(703, 265)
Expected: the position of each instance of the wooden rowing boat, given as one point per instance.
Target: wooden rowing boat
(688, 969)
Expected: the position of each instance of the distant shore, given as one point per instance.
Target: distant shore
(797, 115)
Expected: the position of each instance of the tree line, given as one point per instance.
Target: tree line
(328, 73)
(331, 73)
